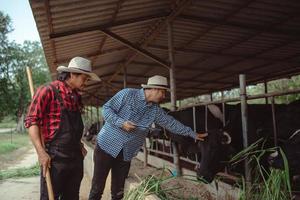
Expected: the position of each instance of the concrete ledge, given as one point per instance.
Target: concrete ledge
(219, 190)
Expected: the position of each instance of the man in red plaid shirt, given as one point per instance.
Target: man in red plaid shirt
(54, 118)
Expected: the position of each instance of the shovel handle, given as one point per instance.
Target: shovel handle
(48, 178)
(49, 185)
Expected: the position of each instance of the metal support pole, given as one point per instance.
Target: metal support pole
(244, 114)
(176, 159)
(274, 120)
(266, 90)
(125, 76)
(98, 118)
(194, 119)
(223, 109)
(195, 126)
(172, 69)
(91, 112)
(206, 115)
(145, 153)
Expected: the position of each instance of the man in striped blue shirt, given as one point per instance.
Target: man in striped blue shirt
(121, 137)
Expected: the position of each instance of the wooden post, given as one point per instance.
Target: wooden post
(29, 76)
(48, 177)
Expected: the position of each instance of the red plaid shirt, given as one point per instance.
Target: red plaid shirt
(44, 110)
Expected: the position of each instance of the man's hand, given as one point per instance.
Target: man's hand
(201, 136)
(128, 126)
(44, 160)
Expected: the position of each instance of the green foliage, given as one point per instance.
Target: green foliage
(20, 172)
(14, 89)
(273, 184)
(149, 186)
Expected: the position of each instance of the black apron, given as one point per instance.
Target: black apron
(66, 157)
(66, 145)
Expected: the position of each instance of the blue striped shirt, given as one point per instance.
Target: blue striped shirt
(131, 105)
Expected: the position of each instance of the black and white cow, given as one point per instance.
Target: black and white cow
(186, 145)
(215, 150)
(93, 130)
(259, 125)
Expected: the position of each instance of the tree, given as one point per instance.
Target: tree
(14, 89)
(5, 84)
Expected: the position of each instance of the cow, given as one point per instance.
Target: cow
(259, 126)
(92, 131)
(186, 145)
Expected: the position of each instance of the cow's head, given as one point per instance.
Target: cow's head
(213, 152)
(291, 149)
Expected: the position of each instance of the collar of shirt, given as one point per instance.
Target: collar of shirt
(62, 85)
(141, 96)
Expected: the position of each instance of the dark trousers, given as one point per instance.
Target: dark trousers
(103, 162)
(65, 178)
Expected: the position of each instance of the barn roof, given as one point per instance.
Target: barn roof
(214, 41)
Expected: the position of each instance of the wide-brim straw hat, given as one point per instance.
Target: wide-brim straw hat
(158, 82)
(80, 65)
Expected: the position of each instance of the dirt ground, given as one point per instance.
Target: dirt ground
(183, 188)
(15, 157)
(28, 188)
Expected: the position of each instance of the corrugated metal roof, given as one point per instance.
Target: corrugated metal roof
(214, 41)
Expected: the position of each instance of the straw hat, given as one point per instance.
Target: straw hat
(159, 82)
(80, 65)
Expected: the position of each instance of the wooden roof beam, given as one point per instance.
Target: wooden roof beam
(136, 48)
(154, 32)
(114, 16)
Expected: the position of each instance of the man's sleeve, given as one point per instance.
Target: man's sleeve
(172, 125)
(113, 106)
(37, 107)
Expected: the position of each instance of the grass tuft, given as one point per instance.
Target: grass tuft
(266, 184)
(20, 172)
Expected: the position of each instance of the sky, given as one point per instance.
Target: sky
(21, 19)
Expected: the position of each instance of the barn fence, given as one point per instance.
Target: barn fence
(166, 149)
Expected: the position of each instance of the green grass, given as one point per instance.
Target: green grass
(149, 186)
(20, 172)
(7, 147)
(10, 142)
(266, 184)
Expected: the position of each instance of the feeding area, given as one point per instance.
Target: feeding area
(233, 73)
